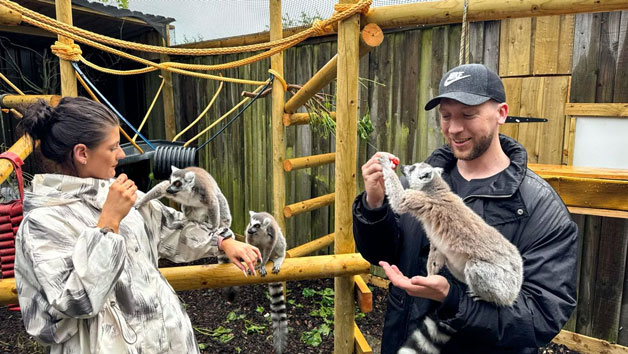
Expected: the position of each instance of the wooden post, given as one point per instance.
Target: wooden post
(345, 172)
(450, 11)
(301, 118)
(9, 17)
(311, 247)
(308, 205)
(170, 126)
(370, 37)
(68, 81)
(308, 161)
(23, 147)
(278, 134)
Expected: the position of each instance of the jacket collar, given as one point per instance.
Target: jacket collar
(56, 189)
(506, 184)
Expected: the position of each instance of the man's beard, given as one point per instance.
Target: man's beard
(477, 150)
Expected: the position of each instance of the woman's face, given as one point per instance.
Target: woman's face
(101, 161)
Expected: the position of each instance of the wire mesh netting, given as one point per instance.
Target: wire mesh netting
(201, 20)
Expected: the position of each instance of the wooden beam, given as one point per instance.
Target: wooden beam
(363, 294)
(599, 212)
(18, 101)
(377, 281)
(591, 192)
(370, 37)
(9, 17)
(311, 247)
(224, 275)
(450, 11)
(547, 170)
(585, 344)
(23, 147)
(247, 39)
(344, 174)
(68, 81)
(278, 131)
(308, 205)
(300, 118)
(29, 30)
(597, 109)
(361, 345)
(308, 161)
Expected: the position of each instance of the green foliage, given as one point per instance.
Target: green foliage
(251, 327)
(120, 3)
(314, 337)
(220, 334)
(260, 309)
(232, 316)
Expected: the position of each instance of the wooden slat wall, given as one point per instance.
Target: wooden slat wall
(400, 76)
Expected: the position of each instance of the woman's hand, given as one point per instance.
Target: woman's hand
(374, 180)
(119, 201)
(435, 287)
(239, 252)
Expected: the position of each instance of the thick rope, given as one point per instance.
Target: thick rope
(343, 11)
(211, 103)
(464, 36)
(150, 108)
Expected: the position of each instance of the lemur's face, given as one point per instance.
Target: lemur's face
(181, 184)
(257, 225)
(420, 175)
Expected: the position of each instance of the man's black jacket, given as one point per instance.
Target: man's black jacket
(529, 213)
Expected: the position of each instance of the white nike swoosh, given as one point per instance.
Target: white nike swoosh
(451, 80)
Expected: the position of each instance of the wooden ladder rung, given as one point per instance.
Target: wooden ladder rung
(308, 161)
(308, 205)
(300, 118)
(361, 345)
(311, 247)
(363, 294)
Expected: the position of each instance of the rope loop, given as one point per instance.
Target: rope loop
(69, 52)
(345, 7)
(280, 78)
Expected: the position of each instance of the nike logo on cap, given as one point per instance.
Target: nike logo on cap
(455, 76)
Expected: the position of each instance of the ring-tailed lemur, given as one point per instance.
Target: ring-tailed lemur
(201, 200)
(264, 233)
(474, 252)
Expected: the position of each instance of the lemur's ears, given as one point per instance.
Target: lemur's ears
(438, 171)
(174, 168)
(251, 213)
(266, 222)
(190, 176)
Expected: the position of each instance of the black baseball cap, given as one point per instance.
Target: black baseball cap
(470, 84)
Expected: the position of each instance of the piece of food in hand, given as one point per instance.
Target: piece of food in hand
(395, 161)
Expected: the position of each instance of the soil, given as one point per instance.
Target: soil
(245, 322)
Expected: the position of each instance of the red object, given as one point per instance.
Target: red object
(395, 161)
(7, 259)
(7, 274)
(7, 252)
(6, 266)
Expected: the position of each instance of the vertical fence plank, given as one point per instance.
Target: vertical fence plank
(588, 270)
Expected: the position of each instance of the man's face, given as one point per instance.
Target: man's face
(470, 130)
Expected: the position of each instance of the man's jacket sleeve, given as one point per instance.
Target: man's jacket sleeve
(376, 231)
(548, 295)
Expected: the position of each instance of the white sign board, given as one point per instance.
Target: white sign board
(601, 142)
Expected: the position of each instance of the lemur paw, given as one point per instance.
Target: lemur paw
(276, 270)
(384, 160)
(262, 272)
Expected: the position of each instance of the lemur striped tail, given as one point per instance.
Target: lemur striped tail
(228, 293)
(427, 339)
(279, 317)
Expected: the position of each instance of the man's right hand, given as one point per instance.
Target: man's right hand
(374, 180)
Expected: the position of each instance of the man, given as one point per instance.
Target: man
(489, 171)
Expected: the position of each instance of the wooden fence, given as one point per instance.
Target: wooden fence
(544, 61)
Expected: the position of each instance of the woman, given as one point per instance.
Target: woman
(86, 261)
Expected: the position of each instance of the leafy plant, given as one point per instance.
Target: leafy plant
(314, 337)
(221, 334)
(251, 327)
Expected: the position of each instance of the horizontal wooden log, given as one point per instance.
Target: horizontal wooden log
(17, 101)
(23, 147)
(311, 247)
(247, 39)
(370, 37)
(589, 345)
(361, 345)
(224, 275)
(9, 17)
(363, 294)
(547, 170)
(300, 118)
(597, 109)
(308, 205)
(308, 161)
(375, 280)
(591, 192)
(451, 11)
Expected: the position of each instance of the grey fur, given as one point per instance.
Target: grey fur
(473, 251)
(264, 233)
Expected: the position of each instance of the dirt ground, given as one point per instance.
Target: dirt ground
(243, 326)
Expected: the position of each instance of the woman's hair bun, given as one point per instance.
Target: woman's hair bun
(38, 119)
